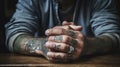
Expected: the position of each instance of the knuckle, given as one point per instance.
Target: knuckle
(58, 38)
(81, 35)
(67, 27)
(71, 33)
(53, 55)
(50, 38)
(61, 31)
(57, 31)
(66, 39)
(73, 42)
(66, 48)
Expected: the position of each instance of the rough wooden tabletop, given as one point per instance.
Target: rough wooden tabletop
(109, 60)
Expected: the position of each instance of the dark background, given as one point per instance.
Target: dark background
(7, 8)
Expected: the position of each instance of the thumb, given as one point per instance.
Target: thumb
(67, 23)
(72, 26)
(76, 28)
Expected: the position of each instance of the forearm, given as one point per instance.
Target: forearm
(26, 44)
(100, 44)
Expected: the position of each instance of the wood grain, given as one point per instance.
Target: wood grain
(109, 60)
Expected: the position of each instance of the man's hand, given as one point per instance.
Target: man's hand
(65, 42)
(69, 26)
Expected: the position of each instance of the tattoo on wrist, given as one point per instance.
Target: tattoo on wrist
(25, 44)
(34, 44)
(18, 43)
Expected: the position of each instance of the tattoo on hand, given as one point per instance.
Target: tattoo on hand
(73, 42)
(57, 47)
(71, 33)
(58, 38)
(58, 58)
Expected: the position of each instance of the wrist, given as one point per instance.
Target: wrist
(93, 45)
(36, 46)
(19, 43)
(26, 44)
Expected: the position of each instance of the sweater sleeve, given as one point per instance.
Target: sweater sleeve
(24, 21)
(106, 20)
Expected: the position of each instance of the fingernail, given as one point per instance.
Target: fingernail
(48, 44)
(47, 32)
(49, 54)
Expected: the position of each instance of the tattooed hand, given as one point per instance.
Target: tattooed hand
(65, 43)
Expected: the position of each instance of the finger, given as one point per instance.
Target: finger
(60, 38)
(76, 28)
(71, 24)
(75, 55)
(55, 31)
(39, 52)
(67, 23)
(55, 56)
(79, 35)
(59, 56)
(63, 57)
(59, 47)
(70, 27)
(63, 39)
(60, 31)
(64, 27)
(71, 33)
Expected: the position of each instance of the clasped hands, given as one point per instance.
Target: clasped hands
(65, 42)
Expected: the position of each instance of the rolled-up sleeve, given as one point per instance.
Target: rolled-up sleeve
(106, 20)
(24, 21)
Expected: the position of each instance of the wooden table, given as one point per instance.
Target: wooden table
(109, 60)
